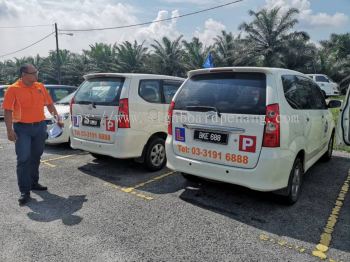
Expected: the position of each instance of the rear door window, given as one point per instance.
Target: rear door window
(100, 91)
(299, 92)
(232, 93)
(169, 89)
(150, 90)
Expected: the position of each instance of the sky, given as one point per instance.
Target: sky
(319, 18)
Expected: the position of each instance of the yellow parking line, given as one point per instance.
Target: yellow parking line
(128, 189)
(46, 161)
(132, 192)
(56, 158)
(48, 164)
(282, 243)
(323, 246)
(285, 244)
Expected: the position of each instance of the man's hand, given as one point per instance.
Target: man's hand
(11, 135)
(60, 123)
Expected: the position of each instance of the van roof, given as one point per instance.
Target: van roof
(132, 75)
(266, 70)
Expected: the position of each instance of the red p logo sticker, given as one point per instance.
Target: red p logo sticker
(110, 125)
(247, 144)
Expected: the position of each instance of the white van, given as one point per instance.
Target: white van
(327, 85)
(123, 116)
(261, 128)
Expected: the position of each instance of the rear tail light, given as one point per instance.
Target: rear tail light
(123, 114)
(170, 118)
(272, 126)
(72, 101)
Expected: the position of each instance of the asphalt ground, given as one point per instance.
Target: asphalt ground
(114, 210)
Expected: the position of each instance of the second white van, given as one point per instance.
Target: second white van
(123, 116)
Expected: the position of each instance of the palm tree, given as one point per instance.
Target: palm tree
(269, 33)
(101, 57)
(299, 54)
(229, 51)
(168, 56)
(131, 57)
(194, 54)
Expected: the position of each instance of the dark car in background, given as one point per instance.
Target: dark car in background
(58, 92)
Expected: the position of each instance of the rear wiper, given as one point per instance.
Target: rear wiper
(204, 109)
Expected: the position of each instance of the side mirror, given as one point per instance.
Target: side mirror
(334, 104)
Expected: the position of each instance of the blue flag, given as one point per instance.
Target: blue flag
(209, 63)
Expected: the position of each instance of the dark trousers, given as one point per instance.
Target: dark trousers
(29, 149)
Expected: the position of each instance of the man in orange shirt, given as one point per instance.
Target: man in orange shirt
(24, 104)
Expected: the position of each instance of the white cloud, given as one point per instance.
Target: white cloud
(307, 15)
(160, 29)
(211, 29)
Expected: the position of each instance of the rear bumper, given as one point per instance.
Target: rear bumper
(127, 144)
(270, 174)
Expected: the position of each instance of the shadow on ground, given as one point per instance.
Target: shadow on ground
(53, 207)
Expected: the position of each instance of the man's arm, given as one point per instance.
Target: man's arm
(11, 135)
(53, 112)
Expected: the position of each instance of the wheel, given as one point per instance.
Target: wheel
(155, 158)
(295, 182)
(190, 178)
(98, 156)
(328, 155)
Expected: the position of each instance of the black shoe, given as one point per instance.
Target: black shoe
(24, 198)
(39, 187)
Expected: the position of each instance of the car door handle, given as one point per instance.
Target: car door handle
(322, 117)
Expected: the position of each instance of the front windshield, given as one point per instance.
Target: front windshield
(66, 100)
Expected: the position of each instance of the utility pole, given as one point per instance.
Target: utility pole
(58, 60)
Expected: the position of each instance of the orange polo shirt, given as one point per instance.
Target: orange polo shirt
(27, 102)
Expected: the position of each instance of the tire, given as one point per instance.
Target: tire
(295, 182)
(99, 157)
(190, 178)
(328, 155)
(155, 157)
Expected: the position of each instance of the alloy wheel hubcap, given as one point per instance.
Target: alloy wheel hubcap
(158, 155)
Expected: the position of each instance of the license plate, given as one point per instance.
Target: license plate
(211, 137)
(91, 122)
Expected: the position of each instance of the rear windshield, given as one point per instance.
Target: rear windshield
(233, 93)
(100, 91)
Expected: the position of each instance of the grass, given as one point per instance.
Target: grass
(336, 113)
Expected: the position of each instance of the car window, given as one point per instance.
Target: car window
(66, 100)
(100, 91)
(169, 89)
(233, 93)
(322, 79)
(298, 92)
(319, 99)
(150, 91)
(60, 93)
